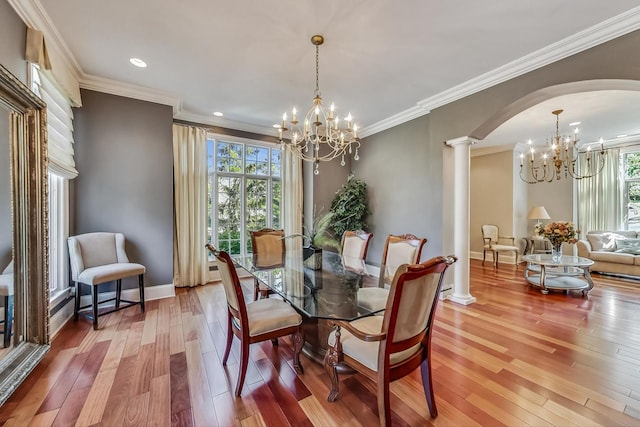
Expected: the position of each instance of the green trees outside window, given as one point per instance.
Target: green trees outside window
(245, 192)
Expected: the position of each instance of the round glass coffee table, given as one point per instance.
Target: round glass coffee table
(564, 272)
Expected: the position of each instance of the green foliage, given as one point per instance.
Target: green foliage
(319, 235)
(349, 207)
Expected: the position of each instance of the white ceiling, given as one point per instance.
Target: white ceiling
(252, 59)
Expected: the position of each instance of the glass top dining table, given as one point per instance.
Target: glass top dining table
(327, 293)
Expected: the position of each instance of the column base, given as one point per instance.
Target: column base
(462, 299)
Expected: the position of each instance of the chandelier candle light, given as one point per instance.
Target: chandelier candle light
(561, 153)
(322, 136)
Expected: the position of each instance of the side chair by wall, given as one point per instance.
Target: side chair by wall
(261, 320)
(386, 348)
(492, 238)
(98, 258)
(269, 249)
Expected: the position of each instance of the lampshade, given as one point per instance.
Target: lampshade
(539, 212)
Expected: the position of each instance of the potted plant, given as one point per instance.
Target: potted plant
(349, 207)
(315, 238)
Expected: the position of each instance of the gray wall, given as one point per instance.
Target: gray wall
(124, 157)
(403, 172)
(13, 34)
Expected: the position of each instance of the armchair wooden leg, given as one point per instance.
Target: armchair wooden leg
(495, 261)
(384, 401)
(227, 348)
(484, 256)
(76, 307)
(298, 342)
(427, 385)
(8, 320)
(332, 357)
(94, 298)
(244, 362)
(118, 292)
(141, 289)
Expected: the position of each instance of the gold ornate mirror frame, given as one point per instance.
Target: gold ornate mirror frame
(28, 167)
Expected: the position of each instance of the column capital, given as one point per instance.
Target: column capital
(463, 140)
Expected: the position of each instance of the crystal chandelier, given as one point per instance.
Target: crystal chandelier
(560, 154)
(322, 136)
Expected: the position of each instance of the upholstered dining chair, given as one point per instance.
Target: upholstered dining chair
(261, 320)
(398, 250)
(386, 348)
(6, 293)
(354, 244)
(98, 258)
(269, 249)
(491, 238)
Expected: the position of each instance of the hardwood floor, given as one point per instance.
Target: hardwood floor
(516, 357)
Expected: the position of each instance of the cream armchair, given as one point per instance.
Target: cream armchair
(98, 258)
(491, 238)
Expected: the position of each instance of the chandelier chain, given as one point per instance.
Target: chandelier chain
(317, 71)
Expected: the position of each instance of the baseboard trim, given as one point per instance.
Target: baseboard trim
(503, 259)
(463, 300)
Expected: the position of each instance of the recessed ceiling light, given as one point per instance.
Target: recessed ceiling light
(218, 113)
(276, 125)
(574, 123)
(621, 136)
(138, 62)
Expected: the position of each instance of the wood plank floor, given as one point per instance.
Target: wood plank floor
(516, 357)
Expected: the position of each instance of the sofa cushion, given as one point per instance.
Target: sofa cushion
(628, 246)
(615, 257)
(606, 240)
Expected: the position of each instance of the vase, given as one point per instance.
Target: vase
(312, 258)
(556, 251)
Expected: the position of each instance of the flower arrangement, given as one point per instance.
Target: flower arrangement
(559, 232)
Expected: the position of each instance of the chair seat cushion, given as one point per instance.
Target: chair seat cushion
(500, 248)
(367, 352)
(373, 298)
(109, 272)
(270, 314)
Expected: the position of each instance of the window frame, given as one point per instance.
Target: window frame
(213, 173)
(626, 182)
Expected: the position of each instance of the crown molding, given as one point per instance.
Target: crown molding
(396, 119)
(225, 123)
(600, 33)
(101, 84)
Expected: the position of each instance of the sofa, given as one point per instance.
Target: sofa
(615, 252)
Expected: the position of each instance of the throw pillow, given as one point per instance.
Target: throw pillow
(633, 251)
(628, 245)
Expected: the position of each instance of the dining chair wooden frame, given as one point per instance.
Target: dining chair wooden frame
(399, 352)
(239, 321)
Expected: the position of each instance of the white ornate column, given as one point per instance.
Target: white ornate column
(461, 198)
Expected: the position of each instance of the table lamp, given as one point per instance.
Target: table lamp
(538, 213)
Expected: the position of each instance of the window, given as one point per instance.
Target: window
(245, 191)
(61, 168)
(631, 199)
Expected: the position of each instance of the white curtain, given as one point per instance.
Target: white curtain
(600, 197)
(190, 206)
(292, 197)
